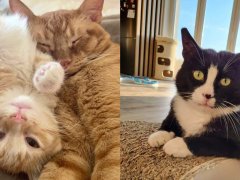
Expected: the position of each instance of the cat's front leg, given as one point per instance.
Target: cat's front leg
(212, 145)
(49, 77)
(159, 138)
(168, 130)
(177, 147)
(202, 146)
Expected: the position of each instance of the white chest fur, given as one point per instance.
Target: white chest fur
(194, 118)
(190, 117)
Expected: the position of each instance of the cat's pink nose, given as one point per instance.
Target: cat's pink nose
(18, 117)
(65, 62)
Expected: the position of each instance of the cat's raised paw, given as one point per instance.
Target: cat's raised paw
(49, 77)
(177, 148)
(159, 138)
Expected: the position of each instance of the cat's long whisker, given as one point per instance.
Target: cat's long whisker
(185, 92)
(233, 61)
(236, 116)
(226, 65)
(233, 125)
(225, 120)
(230, 103)
(230, 62)
(232, 121)
(233, 106)
(226, 124)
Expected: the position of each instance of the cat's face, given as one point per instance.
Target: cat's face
(208, 78)
(68, 36)
(28, 133)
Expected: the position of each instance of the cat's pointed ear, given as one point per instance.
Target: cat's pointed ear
(19, 7)
(92, 9)
(190, 47)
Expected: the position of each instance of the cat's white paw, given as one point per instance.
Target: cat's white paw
(49, 77)
(159, 138)
(177, 148)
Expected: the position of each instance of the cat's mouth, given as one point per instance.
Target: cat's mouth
(205, 104)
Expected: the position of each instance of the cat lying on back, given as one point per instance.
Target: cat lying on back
(91, 61)
(204, 119)
(29, 133)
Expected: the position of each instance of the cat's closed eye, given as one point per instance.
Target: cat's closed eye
(43, 46)
(76, 41)
(32, 142)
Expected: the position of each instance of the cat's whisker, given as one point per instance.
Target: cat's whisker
(225, 121)
(231, 119)
(236, 116)
(233, 125)
(185, 92)
(229, 103)
(226, 65)
(230, 62)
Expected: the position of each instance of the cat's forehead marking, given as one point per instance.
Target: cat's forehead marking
(212, 74)
(56, 23)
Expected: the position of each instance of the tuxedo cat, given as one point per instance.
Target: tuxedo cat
(204, 119)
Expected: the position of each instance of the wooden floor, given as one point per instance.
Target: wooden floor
(146, 103)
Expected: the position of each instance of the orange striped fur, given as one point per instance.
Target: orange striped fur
(91, 143)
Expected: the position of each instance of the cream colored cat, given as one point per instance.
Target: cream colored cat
(91, 61)
(29, 134)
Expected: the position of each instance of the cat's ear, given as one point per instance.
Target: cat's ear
(17, 6)
(92, 9)
(190, 47)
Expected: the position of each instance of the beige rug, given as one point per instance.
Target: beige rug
(140, 161)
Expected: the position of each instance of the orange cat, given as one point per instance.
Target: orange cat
(91, 62)
(29, 134)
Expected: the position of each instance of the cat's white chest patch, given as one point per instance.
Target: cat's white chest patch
(191, 119)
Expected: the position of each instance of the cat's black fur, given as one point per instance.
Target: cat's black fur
(216, 140)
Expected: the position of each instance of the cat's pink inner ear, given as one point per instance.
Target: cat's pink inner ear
(92, 9)
(17, 6)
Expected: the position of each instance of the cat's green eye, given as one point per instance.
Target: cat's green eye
(225, 81)
(198, 75)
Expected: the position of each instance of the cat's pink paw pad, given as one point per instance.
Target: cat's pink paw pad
(42, 71)
(49, 77)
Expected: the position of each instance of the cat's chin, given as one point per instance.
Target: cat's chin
(206, 106)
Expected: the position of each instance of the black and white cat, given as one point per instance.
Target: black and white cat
(204, 119)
